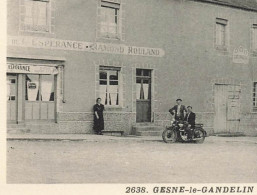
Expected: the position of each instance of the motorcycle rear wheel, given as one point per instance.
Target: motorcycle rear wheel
(169, 136)
(201, 137)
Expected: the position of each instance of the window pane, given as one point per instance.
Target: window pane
(32, 87)
(113, 75)
(47, 87)
(146, 72)
(28, 12)
(41, 13)
(35, 17)
(138, 72)
(109, 20)
(220, 34)
(103, 75)
(11, 89)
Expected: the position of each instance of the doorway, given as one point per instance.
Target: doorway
(143, 95)
(227, 108)
(11, 81)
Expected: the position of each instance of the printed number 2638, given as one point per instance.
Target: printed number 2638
(135, 190)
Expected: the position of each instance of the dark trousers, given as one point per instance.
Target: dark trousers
(189, 132)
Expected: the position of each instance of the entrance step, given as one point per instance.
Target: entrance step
(17, 128)
(147, 130)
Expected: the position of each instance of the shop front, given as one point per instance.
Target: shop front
(32, 92)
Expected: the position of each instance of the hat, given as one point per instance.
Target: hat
(179, 99)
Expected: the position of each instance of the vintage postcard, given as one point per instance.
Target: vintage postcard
(129, 97)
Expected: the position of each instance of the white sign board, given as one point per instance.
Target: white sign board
(31, 69)
(241, 55)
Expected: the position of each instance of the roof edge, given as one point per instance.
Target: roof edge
(227, 4)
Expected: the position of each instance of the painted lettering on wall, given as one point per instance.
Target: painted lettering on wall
(48, 43)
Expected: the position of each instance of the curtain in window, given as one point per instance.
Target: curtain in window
(11, 89)
(47, 87)
(32, 85)
(146, 90)
(103, 93)
(138, 90)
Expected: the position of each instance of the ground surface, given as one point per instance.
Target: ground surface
(131, 161)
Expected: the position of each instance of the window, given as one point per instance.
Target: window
(11, 89)
(36, 16)
(255, 96)
(254, 38)
(143, 84)
(109, 80)
(109, 19)
(221, 33)
(39, 88)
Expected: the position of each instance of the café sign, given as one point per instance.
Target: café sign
(241, 55)
(96, 47)
(31, 69)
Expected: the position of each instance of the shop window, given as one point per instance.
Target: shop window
(254, 38)
(255, 96)
(36, 16)
(39, 88)
(109, 19)
(11, 89)
(221, 33)
(109, 81)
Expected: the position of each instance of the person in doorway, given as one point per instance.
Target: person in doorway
(98, 117)
(179, 110)
(190, 118)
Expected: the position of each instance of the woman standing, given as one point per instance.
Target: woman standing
(98, 117)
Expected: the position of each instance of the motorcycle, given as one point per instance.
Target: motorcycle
(177, 132)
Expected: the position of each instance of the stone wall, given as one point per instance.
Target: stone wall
(248, 124)
(82, 122)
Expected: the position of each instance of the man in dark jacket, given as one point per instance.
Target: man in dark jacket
(179, 110)
(190, 118)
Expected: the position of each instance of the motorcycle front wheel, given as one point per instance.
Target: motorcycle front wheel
(200, 136)
(169, 136)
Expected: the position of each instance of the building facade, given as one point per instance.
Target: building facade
(138, 56)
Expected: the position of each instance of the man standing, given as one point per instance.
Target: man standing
(178, 110)
(190, 118)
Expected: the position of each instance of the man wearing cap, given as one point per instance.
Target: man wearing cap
(178, 110)
(190, 118)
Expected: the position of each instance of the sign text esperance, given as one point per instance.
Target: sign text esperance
(47, 43)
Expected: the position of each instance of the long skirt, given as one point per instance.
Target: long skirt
(98, 125)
